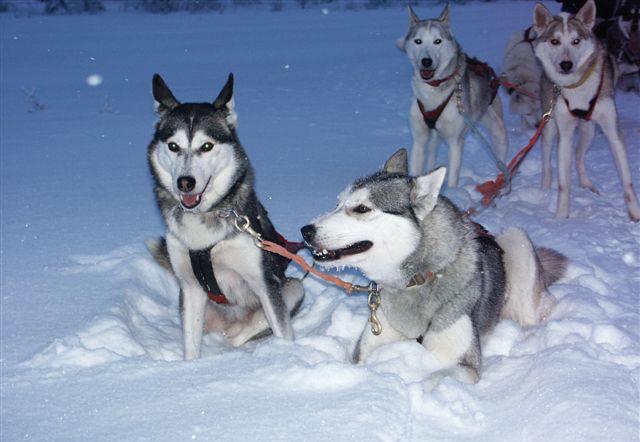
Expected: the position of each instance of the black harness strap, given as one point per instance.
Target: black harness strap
(203, 271)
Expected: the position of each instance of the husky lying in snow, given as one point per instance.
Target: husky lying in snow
(583, 73)
(523, 69)
(446, 83)
(444, 279)
(201, 175)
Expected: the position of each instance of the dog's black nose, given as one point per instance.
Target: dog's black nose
(426, 62)
(186, 183)
(308, 232)
(566, 65)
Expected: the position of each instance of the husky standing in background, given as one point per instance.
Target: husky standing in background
(582, 74)
(202, 177)
(447, 84)
(523, 69)
(445, 280)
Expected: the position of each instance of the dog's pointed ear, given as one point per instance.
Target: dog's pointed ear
(164, 99)
(444, 16)
(413, 17)
(587, 14)
(225, 102)
(541, 18)
(425, 190)
(397, 163)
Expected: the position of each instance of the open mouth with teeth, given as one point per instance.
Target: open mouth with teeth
(191, 201)
(427, 74)
(333, 255)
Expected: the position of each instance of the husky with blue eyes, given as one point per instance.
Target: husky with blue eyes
(578, 84)
(450, 91)
(203, 184)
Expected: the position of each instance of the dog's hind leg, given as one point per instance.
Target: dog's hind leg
(493, 121)
(608, 121)
(420, 135)
(256, 324)
(586, 130)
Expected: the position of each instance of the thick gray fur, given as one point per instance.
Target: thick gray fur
(465, 298)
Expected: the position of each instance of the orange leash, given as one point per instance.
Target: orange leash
(279, 250)
(243, 224)
(491, 189)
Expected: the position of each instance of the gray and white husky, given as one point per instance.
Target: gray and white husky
(582, 74)
(447, 84)
(445, 280)
(521, 68)
(202, 177)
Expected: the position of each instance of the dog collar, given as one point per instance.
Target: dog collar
(436, 83)
(586, 114)
(584, 77)
(421, 278)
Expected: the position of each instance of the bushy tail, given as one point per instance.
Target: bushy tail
(553, 263)
(158, 249)
(529, 271)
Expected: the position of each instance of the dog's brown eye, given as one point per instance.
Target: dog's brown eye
(417, 41)
(437, 41)
(206, 147)
(576, 42)
(555, 41)
(173, 147)
(361, 209)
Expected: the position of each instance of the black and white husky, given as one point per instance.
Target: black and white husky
(578, 85)
(444, 279)
(451, 90)
(203, 181)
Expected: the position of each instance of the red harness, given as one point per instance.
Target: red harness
(431, 117)
(586, 114)
(475, 66)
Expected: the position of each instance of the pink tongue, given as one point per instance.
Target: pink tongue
(190, 200)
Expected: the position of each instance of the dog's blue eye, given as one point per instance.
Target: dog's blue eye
(417, 41)
(206, 147)
(361, 209)
(437, 41)
(173, 147)
(576, 42)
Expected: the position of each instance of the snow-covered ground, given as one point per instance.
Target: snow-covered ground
(90, 334)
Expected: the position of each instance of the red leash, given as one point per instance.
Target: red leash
(509, 85)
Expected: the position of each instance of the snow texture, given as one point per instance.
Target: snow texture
(91, 340)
